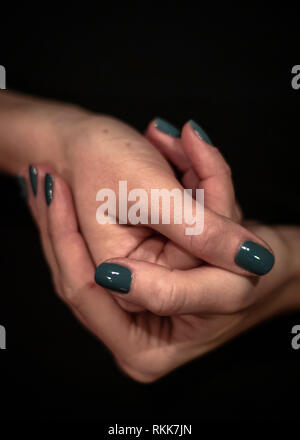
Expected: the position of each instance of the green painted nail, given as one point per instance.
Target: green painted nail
(254, 258)
(200, 132)
(167, 128)
(113, 277)
(23, 187)
(33, 174)
(49, 184)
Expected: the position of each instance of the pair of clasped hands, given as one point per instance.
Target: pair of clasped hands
(157, 298)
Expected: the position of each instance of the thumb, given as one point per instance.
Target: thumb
(166, 292)
(219, 241)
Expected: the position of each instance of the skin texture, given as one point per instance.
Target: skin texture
(188, 295)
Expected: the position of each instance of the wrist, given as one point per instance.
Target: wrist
(34, 130)
(285, 243)
(283, 282)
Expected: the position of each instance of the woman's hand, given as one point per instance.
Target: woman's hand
(212, 304)
(93, 152)
(99, 153)
(102, 151)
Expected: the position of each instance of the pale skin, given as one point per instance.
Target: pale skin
(183, 308)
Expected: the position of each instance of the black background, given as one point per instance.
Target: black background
(229, 69)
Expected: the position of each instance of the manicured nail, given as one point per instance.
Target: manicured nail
(114, 277)
(254, 258)
(23, 187)
(199, 131)
(33, 174)
(49, 184)
(167, 128)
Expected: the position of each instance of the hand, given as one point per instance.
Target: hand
(146, 346)
(102, 151)
(92, 151)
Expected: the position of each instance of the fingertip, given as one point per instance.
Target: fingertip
(167, 128)
(26, 190)
(163, 129)
(150, 129)
(114, 276)
(192, 131)
(255, 258)
(199, 131)
(59, 199)
(49, 188)
(21, 179)
(166, 138)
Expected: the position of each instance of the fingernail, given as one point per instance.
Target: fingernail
(49, 183)
(199, 131)
(254, 258)
(114, 277)
(167, 128)
(33, 174)
(23, 187)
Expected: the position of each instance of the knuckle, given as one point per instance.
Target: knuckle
(145, 366)
(165, 299)
(71, 295)
(200, 243)
(139, 374)
(226, 168)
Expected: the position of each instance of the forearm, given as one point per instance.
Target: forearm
(32, 130)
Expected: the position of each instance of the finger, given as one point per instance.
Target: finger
(215, 239)
(168, 292)
(34, 178)
(166, 138)
(30, 194)
(212, 170)
(98, 310)
(202, 165)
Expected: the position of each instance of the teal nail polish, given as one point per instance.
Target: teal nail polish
(254, 258)
(167, 128)
(49, 184)
(114, 277)
(33, 174)
(200, 132)
(23, 187)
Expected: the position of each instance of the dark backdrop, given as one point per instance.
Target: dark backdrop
(228, 68)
